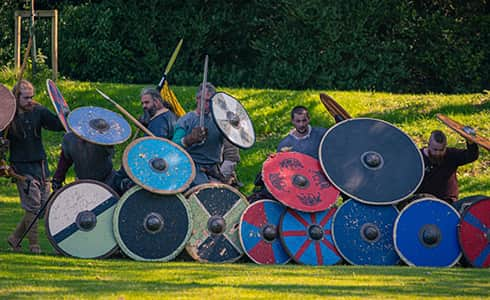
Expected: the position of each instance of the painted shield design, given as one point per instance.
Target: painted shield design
(297, 180)
(307, 237)
(363, 233)
(60, 106)
(233, 120)
(8, 105)
(425, 234)
(464, 203)
(152, 227)
(216, 211)
(79, 220)
(99, 125)
(474, 233)
(259, 232)
(371, 161)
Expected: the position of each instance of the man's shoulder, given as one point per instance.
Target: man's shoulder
(319, 130)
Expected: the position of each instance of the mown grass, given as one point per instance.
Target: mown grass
(52, 276)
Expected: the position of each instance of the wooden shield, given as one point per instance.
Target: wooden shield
(363, 233)
(99, 125)
(8, 105)
(79, 220)
(371, 161)
(297, 180)
(259, 232)
(232, 120)
(474, 233)
(152, 227)
(159, 165)
(216, 211)
(465, 131)
(425, 234)
(59, 103)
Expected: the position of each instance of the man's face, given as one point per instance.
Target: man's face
(25, 99)
(206, 103)
(436, 151)
(300, 122)
(149, 104)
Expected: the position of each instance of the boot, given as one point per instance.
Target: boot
(14, 238)
(32, 235)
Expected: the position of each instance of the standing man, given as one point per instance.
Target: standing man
(441, 163)
(28, 158)
(204, 144)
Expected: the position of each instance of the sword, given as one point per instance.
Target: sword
(170, 64)
(203, 92)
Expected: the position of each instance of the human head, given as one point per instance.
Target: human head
(152, 101)
(300, 119)
(437, 146)
(210, 91)
(24, 92)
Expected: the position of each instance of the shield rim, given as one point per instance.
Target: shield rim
(222, 130)
(395, 227)
(463, 214)
(148, 188)
(60, 115)
(122, 245)
(48, 208)
(278, 237)
(14, 108)
(78, 134)
(320, 158)
(335, 241)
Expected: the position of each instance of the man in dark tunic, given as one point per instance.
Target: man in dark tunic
(441, 163)
(28, 158)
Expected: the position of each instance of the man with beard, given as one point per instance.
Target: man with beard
(441, 163)
(28, 158)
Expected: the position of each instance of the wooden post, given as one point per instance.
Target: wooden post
(18, 34)
(54, 44)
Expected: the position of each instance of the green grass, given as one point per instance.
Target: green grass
(52, 276)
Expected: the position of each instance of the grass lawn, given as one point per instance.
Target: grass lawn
(53, 276)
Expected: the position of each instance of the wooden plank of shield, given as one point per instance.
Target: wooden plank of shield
(60, 106)
(467, 132)
(8, 105)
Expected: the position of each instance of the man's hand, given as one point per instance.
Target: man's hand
(197, 135)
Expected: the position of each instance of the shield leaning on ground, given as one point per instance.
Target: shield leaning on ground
(232, 120)
(474, 233)
(371, 161)
(151, 227)
(307, 237)
(79, 220)
(159, 165)
(425, 234)
(363, 233)
(297, 180)
(8, 105)
(259, 232)
(60, 106)
(216, 211)
(99, 125)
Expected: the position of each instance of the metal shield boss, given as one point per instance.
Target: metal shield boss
(151, 227)
(216, 211)
(363, 233)
(8, 105)
(159, 165)
(474, 233)
(232, 120)
(297, 180)
(60, 106)
(425, 234)
(371, 161)
(307, 237)
(79, 220)
(259, 232)
(99, 125)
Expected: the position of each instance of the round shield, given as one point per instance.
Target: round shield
(79, 220)
(8, 105)
(99, 125)
(462, 204)
(59, 103)
(474, 233)
(425, 234)
(233, 121)
(152, 227)
(371, 161)
(159, 165)
(363, 233)
(216, 211)
(259, 233)
(297, 180)
(307, 237)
